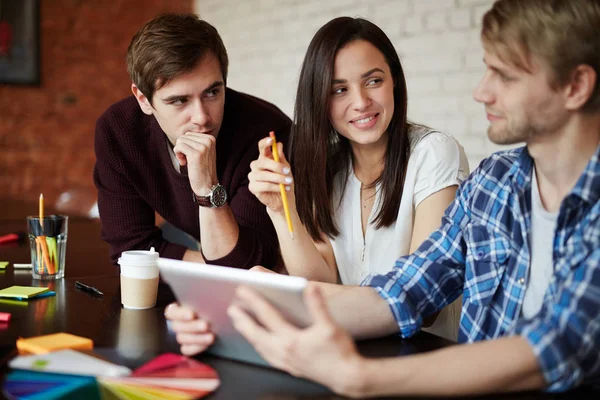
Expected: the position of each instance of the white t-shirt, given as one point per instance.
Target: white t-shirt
(436, 162)
(543, 225)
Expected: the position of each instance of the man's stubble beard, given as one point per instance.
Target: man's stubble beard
(511, 135)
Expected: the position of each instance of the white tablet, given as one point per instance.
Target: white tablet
(210, 289)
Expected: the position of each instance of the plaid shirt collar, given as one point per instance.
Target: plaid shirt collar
(587, 187)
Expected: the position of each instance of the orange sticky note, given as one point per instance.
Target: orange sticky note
(57, 341)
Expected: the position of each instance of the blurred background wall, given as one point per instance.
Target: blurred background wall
(46, 132)
(438, 42)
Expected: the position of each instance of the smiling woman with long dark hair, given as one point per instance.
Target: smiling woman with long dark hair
(318, 152)
(367, 186)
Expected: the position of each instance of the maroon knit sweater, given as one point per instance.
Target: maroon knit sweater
(135, 177)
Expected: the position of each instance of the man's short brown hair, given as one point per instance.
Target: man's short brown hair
(561, 33)
(170, 45)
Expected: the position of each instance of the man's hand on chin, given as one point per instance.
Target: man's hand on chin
(198, 152)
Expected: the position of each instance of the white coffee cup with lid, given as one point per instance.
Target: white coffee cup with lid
(139, 278)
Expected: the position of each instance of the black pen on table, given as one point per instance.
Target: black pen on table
(88, 289)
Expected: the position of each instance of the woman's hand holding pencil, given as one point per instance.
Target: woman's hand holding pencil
(271, 180)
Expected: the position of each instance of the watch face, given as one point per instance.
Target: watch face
(219, 196)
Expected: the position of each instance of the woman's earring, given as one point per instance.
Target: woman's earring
(334, 138)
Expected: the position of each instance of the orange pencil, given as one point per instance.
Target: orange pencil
(41, 245)
(284, 198)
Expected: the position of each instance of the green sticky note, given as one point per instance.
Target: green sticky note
(23, 292)
(3, 264)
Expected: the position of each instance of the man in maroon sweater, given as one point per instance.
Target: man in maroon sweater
(181, 146)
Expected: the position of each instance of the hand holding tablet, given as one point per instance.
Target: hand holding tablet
(205, 292)
(193, 334)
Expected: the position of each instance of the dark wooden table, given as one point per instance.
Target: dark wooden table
(134, 337)
(87, 254)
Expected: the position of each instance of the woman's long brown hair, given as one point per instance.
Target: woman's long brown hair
(318, 153)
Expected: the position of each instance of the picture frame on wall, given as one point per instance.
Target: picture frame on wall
(20, 42)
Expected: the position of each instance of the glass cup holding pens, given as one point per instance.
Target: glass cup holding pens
(48, 245)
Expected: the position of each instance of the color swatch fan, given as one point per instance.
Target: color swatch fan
(169, 376)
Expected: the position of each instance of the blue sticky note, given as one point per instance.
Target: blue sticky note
(45, 294)
(39, 296)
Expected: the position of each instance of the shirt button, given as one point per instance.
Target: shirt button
(521, 281)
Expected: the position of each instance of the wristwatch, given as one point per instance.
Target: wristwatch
(215, 199)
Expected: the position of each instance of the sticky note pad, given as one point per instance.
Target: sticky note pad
(22, 301)
(3, 264)
(57, 341)
(23, 292)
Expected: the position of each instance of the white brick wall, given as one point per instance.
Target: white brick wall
(438, 42)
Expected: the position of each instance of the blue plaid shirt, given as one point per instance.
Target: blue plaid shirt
(482, 251)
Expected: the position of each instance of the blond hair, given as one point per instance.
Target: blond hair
(560, 33)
